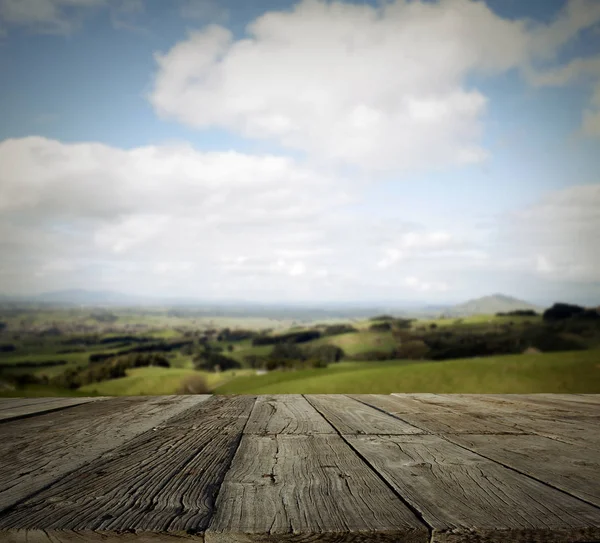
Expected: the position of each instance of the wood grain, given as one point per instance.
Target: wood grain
(583, 432)
(286, 414)
(163, 481)
(37, 451)
(466, 497)
(43, 536)
(573, 469)
(437, 420)
(20, 409)
(307, 488)
(349, 416)
(554, 405)
(401, 404)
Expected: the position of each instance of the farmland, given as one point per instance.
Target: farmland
(121, 352)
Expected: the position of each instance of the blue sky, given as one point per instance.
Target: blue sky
(301, 151)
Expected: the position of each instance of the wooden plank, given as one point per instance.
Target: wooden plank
(10, 403)
(162, 481)
(36, 451)
(286, 414)
(573, 469)
(467, 498)
(41, 536)
(591, 399)
(23, 410)
(438, 421)
(351, 417)
(554, 405)
(495, 404)
(583, 432)
(401, 403)
(307, 488)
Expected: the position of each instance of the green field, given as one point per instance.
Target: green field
(354, 343)
(568, 372)
(154, 381)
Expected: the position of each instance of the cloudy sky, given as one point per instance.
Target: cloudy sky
(276, 150)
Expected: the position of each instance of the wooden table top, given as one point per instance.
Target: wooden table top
(360, 468)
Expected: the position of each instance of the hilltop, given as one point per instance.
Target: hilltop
(490, 305)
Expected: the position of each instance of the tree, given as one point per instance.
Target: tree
(560, 311)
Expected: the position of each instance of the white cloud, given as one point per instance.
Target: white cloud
(175, 220)
(557, 238)
(423, 244)
(347, 83)
(419, 285)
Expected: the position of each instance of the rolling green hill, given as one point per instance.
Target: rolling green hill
(565, 372)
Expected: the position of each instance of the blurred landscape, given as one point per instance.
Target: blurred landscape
(69, 344)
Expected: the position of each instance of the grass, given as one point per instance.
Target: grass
(354, 343)
(567, 372)
(154, 381)
(475, 320)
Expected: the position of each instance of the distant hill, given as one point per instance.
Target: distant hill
(489, 305)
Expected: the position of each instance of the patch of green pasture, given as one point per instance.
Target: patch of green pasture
(565, 372)
(354, 343)
(155, 381)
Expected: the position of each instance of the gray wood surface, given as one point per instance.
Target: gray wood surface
(402, 403)
(584, 432)
(162, 480)
(307, 488)
(571, 468)
(466, 497)
(349, 416)
(436, 420)
(36, 451)
(554, 405)
(286, 414)
(577, 398)
(19, 408)
(358, 468)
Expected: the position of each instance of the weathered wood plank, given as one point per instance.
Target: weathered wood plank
(593, 399)
(41, 536)
(554, 405)
(36, 451)
(467, 498)
(349, 416)
(286, 414)
(28, 409)
(437, 421)
(495, 404)
(307, 488)
(401, 403)
(9, 403)
(583, 432)
(163, 480)
(573, 469)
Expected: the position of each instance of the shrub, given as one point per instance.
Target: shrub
(561, 311)
(211, 360)
(318, 363)
(413, 350)
(254, 361)
(293, 337)
(194, 384)
(382, 318)
(326, 353)
(372, 356)
(380, 327)
(337, 329)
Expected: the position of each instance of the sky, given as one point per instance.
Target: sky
(319, 151)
